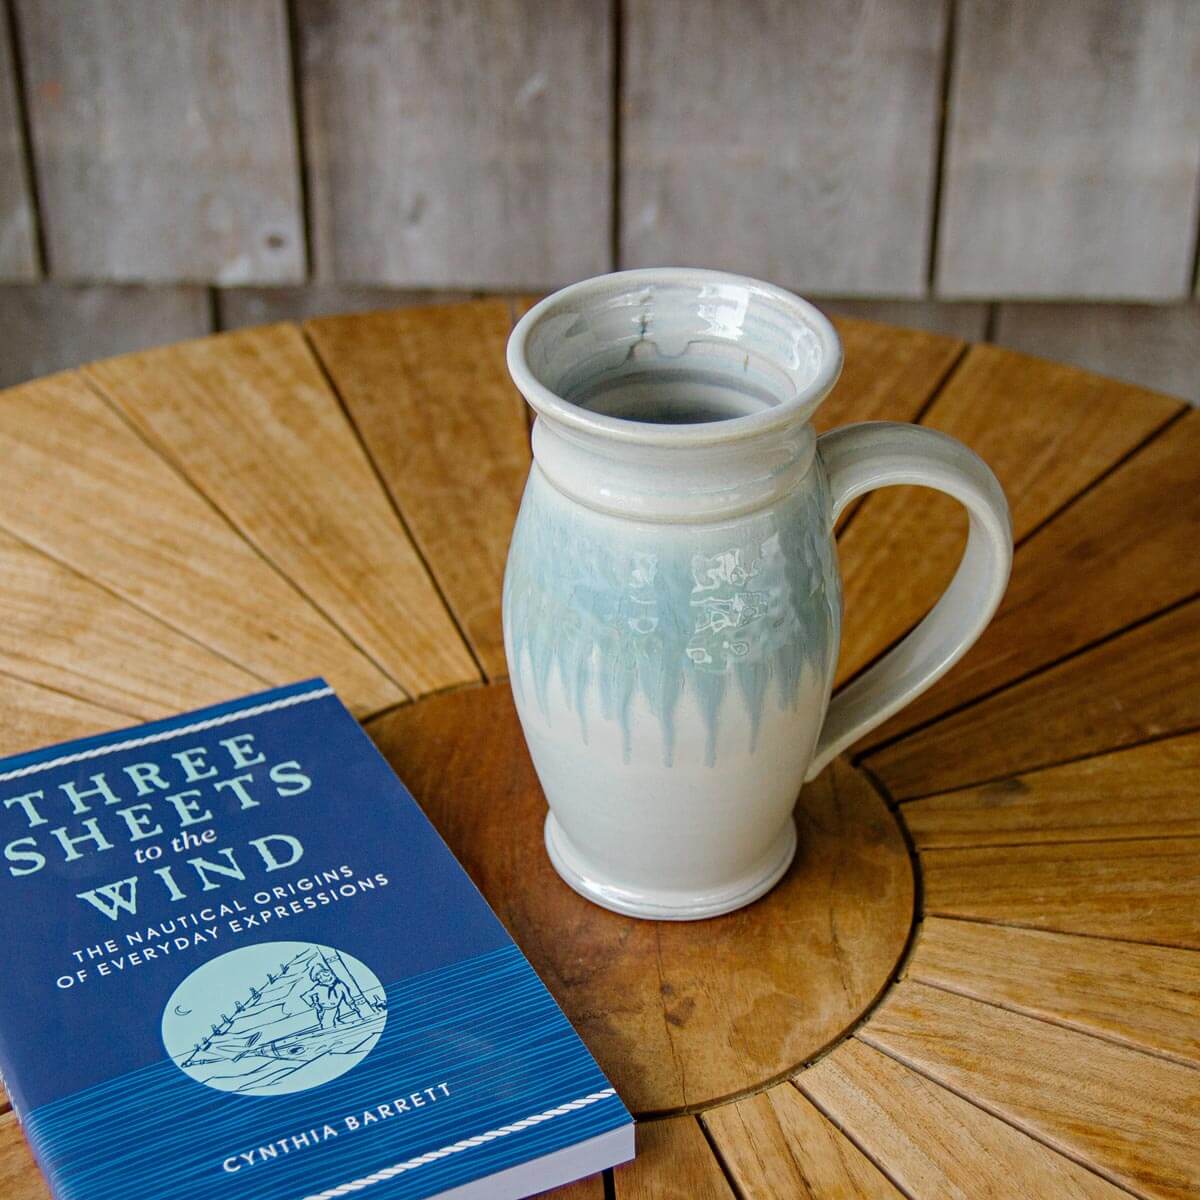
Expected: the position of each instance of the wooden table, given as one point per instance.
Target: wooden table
(981, 976)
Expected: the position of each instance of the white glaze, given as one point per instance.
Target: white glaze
(672, 604)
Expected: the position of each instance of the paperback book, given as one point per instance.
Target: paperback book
(239, 961)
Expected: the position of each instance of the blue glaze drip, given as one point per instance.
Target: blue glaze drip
(732, 611)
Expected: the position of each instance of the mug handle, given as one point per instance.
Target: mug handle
(875, 454)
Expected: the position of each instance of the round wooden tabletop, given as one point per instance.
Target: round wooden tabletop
(980, 977)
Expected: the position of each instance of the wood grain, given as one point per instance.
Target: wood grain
(1138, 686)
(1152, 345)
(1142, 890)
(1147, 997)
(678, 1014)
(65, 633)
(164, 139)
(1121, 552)
(792, 142)
(250, 420)
(1071, 150)
(934, 1143)
(1057, 431)
(777, 1144)
(591, 1188)
(53, 326)
(458, 145)
(19, 1177)
(32, 716)
(1134, 1117)
(1047, 1022)
(889, 374)
(674, 1162)
(428, 391)
(86, 490)
(18, 245)
(1148, 791)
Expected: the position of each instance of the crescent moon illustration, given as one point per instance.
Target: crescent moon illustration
(182, 1012)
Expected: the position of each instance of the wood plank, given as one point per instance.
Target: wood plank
(18, 245)
(1134, 1117)
(164, 139)
(32, 716)
(52, 326)
(967, 322)
(1072, 146)
(250, 420)
(85, 489)
(1146, 791)
(239, 307)
(62, 631)
(1152, 345)
(591, 1188)
(426, 170)
(802, 150)
(520, 303)
(1061, 428)
(674, 1162)
(1147, 997)
(1136, 687)
(19, 1177)
(889, 374)
(934, 1143)
(777, 1144)
(679, 1014)
(1141, 890)
(1123, 551)
(428, 391)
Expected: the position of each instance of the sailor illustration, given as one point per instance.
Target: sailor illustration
(329, 997)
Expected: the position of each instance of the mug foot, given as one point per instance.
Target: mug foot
(662, 904)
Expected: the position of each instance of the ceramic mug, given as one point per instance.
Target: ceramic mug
(672, 603)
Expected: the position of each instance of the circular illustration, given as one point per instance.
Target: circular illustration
(276, 1018)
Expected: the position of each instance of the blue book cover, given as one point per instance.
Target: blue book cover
(240, 962)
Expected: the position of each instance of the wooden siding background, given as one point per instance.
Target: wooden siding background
(1017, 170)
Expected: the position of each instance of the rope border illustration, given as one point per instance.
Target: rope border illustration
(356, 1185)
(166, 734)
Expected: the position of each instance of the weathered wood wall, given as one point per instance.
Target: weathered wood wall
(1072, 135)
(869, 150)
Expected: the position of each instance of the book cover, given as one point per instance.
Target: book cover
(239, 961)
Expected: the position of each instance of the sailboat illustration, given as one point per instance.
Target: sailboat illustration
(312, 1006)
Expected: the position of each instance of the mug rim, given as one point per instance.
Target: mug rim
(548, 403)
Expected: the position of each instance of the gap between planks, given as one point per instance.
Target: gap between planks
(465, 685)
(134, 604)
(1121, 460)
(1099, 937)
(393, 503)
(1182, 731)
(718, 1156)
(156, 618)
(897, 973)
(1030, 1133)
(176, 465)
(860, 760)
(878, 1163)
(864, 502)
(860, 1146)
(1061, 1023)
